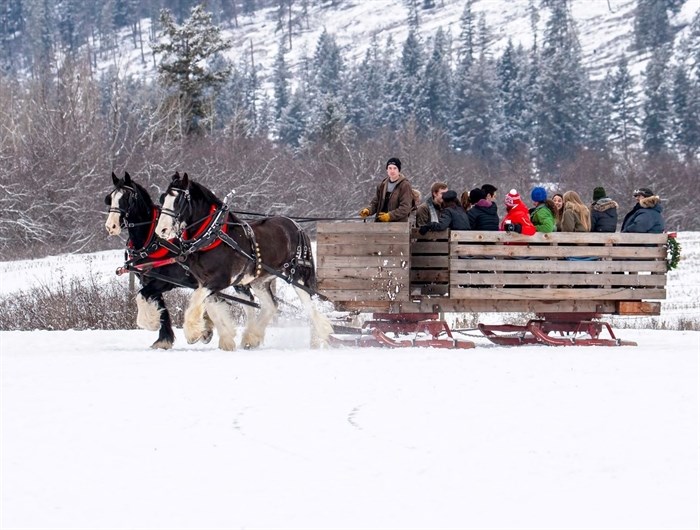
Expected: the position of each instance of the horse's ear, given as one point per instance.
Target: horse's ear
(176, 176)
(115, 180)
(185, 181)
(127, 178)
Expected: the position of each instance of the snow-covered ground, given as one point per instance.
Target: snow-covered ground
(100, 432)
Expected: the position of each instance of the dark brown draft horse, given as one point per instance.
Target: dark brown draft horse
(222, 250)
(131, 208)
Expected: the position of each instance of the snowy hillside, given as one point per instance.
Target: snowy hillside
(604, 29)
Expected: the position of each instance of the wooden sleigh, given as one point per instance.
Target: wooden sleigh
(568, 280)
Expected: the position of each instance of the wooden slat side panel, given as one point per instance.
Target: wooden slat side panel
(350, 262)
(546, 251)
(429, 275)
(394, 249)
(357, 227)
(430, 247)
(448, 305)
(507, 293)
(366, 239)
(559, 237)
(430, 262)
(533, 280)
(546, 265)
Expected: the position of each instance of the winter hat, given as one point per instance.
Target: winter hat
(394, 161)
(599, 193)
(476, 195)
(449, 196)
(644, 192)
(538, 194)
(512, 198)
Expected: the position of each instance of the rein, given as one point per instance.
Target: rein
(296, 218)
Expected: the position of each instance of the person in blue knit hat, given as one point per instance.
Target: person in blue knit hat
(543, 214)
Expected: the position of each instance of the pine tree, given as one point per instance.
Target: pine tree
(436, 92)
(280, 81)
(562, 115)
(411, 72)
(686, 115)
(601, 120)
(624, 120)
(652, 27)
(292, 124)
(656, 122)
(511, 70)
(365, 91)
(467, 36)
(327, 66)
(186, 64)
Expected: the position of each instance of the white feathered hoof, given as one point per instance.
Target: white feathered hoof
(227, 344)
(207, 336)
(162, 345)
(148, 316)
(251, 339)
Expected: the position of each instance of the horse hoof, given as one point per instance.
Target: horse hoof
(162, 345)
(227, 345)
(206, 337)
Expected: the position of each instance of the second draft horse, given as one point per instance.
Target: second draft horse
(224, 250)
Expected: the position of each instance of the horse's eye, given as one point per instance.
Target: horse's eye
(108, 199)
(162, 198)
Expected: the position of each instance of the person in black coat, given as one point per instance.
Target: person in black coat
(646, 217)
(603, 212)
(452, 215)
(483, 215)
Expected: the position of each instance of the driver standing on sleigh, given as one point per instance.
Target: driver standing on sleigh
(394, 199)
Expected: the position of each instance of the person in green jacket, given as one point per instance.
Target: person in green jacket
(542, 215)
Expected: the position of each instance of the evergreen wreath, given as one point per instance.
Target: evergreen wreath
(673, 253)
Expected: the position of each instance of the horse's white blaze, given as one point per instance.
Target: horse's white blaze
(166, 224)
(148, 316)
(194, 325)
(113, 219)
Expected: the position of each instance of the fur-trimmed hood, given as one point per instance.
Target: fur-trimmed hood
(603, 204)
(649, 202)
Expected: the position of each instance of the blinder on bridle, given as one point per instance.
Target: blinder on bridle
(131, 197)
(178, 210)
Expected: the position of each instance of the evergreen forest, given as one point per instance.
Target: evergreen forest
(311, 137)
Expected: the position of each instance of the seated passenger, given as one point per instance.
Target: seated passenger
(483, 214)
(452, 216)
(575, 217)
(603, 212)
(646, 216)
(543, 215)
(517, 218)
(429, 211)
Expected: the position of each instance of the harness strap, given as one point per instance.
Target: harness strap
(156, 276)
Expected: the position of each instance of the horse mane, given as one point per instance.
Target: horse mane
(143, 194)
(199, 191)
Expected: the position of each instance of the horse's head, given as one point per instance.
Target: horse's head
(175, 206)
(119, 200)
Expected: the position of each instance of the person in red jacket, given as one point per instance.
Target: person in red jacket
(517, 218)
